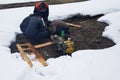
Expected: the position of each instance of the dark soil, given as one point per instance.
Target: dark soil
(89, 36)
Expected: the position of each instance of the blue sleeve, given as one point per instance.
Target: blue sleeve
(24, 24)
(34, 27)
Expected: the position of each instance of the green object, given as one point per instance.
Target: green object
(62, 33)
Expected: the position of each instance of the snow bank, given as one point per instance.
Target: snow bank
(9, 68)
(113, 30)
(91, 8)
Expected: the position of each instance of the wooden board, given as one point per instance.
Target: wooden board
(39, 57)
(40, 45)
(24, 56)
(73, 25)
(44, 44)
(22, 48)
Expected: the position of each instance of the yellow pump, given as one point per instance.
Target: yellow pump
(69, 45)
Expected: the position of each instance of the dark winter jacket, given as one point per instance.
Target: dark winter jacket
(33, 28)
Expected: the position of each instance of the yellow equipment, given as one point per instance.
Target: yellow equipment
(69, 45)
(63, 46)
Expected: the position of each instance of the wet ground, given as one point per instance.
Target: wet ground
(89, 36)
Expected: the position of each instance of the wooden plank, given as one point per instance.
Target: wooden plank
(44, 45)
(73, 25)
(25, 49)
(23, 44)
(40, 45)
(24, 56)
(40, 58)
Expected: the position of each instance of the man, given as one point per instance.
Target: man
(60, 28)
(35, 26)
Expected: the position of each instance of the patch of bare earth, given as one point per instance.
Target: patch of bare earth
(89, 36)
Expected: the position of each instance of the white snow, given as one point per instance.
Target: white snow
(101, 64)
(17, 1)
(113, 30)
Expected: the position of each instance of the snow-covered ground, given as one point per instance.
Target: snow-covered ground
(102, 64)
(17, 1)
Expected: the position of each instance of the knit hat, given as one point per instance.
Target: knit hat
(41, 8)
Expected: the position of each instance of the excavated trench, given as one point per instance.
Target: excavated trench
(89, 36)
